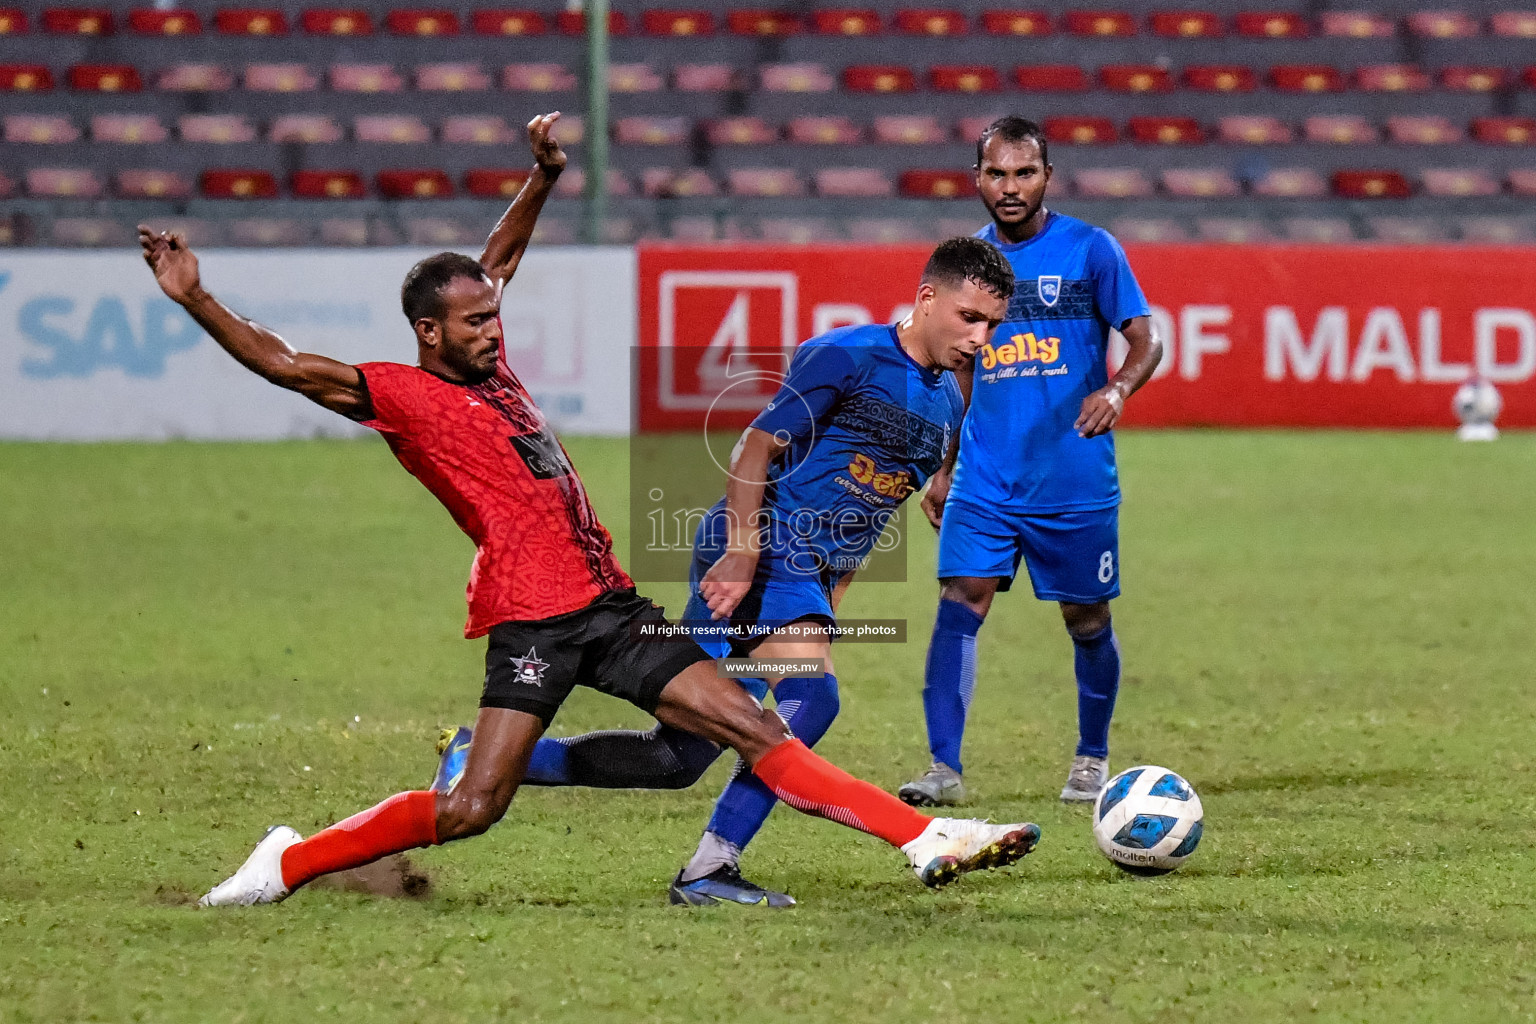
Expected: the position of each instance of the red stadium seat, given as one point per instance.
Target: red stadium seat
(1231, 230)
(740, 131)
(194, 78)
(422, 22)
(1200, 183)
(328, 185)
(77, 21)
(761, 22)
(508, 22)
(796, 230)
(1497, 231)
(834, 130)
(1505, 131)
(1371, 185)
(1111, 183)
(1514, 24)
(642, 130)
(1391, 78)
(1253, 129)
(846, 21)
(1406, 230)
(930, 21)
(456, 77)
(1529, 77)
(1166, 131)
(1306, 78)
(147, 22)
(677, 23)
(568, 131)
(1465, 78)
(537, 78)
(669, 182)
(573, 183)
(1135, 78)
(105, 78)
(312, 129)
(150, 183)
(1271, 25)
(1100, 23)
(224, 129)
(1187, 24)
(969, 129)
(268, 231)
(13, 21)
(1356, 25)
(437, 232)
(128, 129)
(62, 183)
(634, 78)
(1148, 229)
(1459, 181)
(934, 184)
(40, 129)
(280, 78)
(853, 182)
(1423, 130)
(495, 182)
(574, 23)
(1051, 78)
(1080, 131)
(88, 232)
(909, 130)
(336, 21)
(764, 182)
(878, 78)
(964, 78)
(399, 129)
(235, 183)
(1442, 25)
(1290, 183)
(796, 78)
(1016, 23)
(478, 130)
(250, 21)
(1522, 181)
(1319, 230)
(1220, 77)
(365, 78)
(883, 230)
(25, 78)
(414, 184)
(1340, 129)
(705, 78)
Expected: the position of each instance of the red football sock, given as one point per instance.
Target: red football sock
(816, 786)
(403, 822)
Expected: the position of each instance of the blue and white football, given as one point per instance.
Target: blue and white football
(1148, 820)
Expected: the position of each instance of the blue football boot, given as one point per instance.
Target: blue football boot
(724, 885)
(453, 755)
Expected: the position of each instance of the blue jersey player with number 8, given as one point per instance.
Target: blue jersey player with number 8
(1033, 476)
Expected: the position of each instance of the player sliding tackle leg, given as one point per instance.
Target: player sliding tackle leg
(545, 581)
(776, 553)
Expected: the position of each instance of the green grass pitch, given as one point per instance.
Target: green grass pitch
(1330, 635)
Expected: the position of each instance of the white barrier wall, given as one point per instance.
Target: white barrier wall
(91, 350)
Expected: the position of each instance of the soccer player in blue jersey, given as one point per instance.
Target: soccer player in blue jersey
(863, 419)
(1034, 478)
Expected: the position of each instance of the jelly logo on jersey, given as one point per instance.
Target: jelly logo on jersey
(530, 670)
(891, 485)
(1021, 348)
(1048, 286)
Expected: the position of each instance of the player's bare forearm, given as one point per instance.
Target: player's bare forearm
(1101, 410)
(509, 239)
(728, 580)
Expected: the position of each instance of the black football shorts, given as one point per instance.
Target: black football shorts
(620, 644)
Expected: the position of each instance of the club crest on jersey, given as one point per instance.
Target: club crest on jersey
(530, 670)
(1048, 286)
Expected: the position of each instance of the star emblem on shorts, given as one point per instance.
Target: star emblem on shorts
(530, 670)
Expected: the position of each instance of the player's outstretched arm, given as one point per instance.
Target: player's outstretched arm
(335, 385)
(1101, 410)
(510, 238)
(729, 579)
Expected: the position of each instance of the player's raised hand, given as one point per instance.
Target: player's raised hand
(1101, 411)
(546, 148)
(727, 582)
(174, 264)
(936, 495)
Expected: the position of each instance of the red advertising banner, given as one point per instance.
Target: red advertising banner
(1284, 336)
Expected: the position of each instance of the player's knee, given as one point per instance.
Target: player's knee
(1085, 621)
(976, 594)
(470, 813)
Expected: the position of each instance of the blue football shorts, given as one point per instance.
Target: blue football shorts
(1070, 556)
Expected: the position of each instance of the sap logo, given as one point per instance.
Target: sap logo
(1022, 348)
(892, 485)
(108, 339)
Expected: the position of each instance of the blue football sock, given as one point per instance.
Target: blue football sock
(950, 679)
(808, 706)
(1097, 663)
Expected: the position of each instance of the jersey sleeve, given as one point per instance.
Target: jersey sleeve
(392, 393)
(818, 376)
(1115, 291)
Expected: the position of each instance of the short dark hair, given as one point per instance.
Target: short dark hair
(1013, 128)
(957, 260)
(421, 296)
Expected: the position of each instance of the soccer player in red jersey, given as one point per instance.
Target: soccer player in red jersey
(545, 587)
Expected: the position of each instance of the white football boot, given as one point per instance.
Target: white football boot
(949, 847)
(260, 878)
(1085, 780)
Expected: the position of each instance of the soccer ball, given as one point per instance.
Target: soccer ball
(1477, 401)
(1147, 820)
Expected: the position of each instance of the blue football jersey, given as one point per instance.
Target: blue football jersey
(866, 427)
(1018, 448)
